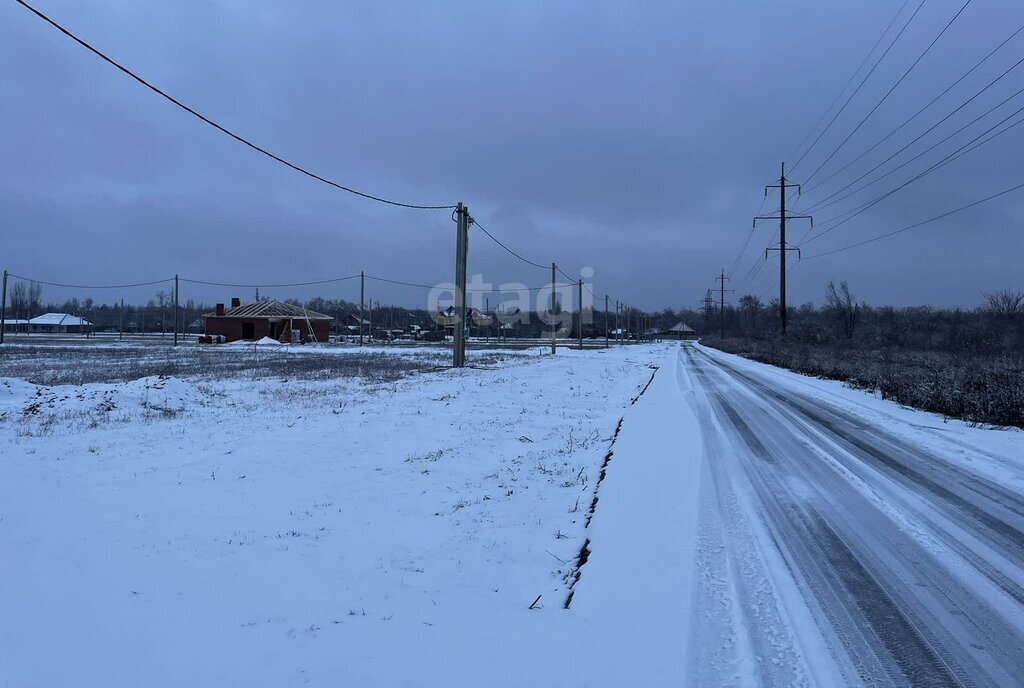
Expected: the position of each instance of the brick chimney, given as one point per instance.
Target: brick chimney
(220, 309)
(235, 302)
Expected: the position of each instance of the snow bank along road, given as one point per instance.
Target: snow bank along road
(841, 539)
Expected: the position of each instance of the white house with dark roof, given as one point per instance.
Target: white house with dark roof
(59, 323)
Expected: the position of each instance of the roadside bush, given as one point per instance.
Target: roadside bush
(980, 388)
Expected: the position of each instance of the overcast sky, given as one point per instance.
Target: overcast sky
(633, 138)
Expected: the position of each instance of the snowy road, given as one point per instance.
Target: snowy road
(838, 541)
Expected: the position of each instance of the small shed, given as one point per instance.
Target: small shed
(59, 323)
(679, 331)
(269, 318)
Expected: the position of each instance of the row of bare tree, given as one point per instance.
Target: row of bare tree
(997, 325)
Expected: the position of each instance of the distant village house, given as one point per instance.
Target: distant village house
(270, 318)
(679, 331)
(448, 318)
(59, 323)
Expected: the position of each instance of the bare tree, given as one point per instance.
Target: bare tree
(162, 297)
(1006, 304)
(26, 299)
(750, 306)
(19, 300)
(35, 297)
(842, 305)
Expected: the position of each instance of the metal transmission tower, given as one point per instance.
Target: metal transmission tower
(782, 217)
(722, 279)
(707, 309)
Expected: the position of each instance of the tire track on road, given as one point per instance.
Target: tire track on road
(880, 591)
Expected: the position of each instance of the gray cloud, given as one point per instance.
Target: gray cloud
(631, 139)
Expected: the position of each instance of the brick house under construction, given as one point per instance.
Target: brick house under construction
(270, 318)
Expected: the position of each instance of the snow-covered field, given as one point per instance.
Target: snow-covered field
(62, 363)
(255, 530)
(751, 527)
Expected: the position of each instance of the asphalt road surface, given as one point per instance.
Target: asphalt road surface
(841, 541)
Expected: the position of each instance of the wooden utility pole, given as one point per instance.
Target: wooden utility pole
(175, 310)
(579, 320)
(462, 221)
(362, 297)
(120, 322)
(618, 322)
(553, 332)
(3, 309)
(783, 248)
(606, 321)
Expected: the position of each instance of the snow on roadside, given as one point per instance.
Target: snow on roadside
(274, 532)
(954, 439)
(643, 536)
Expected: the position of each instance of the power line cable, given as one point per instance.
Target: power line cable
(269, 286)
(859, 86)
(920, 111)
(573, 284)
(759, 267)
(958, 153)
(889, 92)
(526, 260)
(918, 224)
(91, 286)
(400, 283)
(769, 287)
(759, 262)
(434, 286)
(789, 201)
(847, 85)
(219, 127)
(750, 235)
(824, 202)
(955, 155)
(754, 267)
(746, 243)
(499, 243)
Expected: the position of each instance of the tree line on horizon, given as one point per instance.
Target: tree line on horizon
(997, 324)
